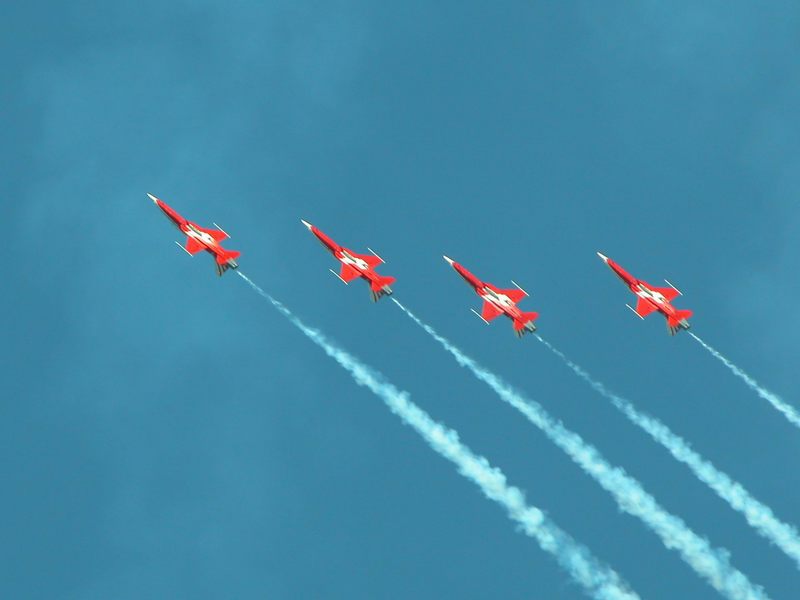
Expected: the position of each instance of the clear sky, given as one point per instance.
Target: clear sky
(167, 434)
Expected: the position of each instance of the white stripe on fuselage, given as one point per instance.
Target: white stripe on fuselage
(656, 298)
(358, 263)
(501, 301)
(201, 236)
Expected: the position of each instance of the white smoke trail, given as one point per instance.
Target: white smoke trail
(598, 580)
(758, 515)
(711, 564)
(787, 410)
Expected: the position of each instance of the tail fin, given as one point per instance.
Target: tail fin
(227, 260)
(680, 320)
(525, 324)
(380, 287)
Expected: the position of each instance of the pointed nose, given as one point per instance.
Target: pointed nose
(306, 223)
(153, 198)
(449, 260)
(603, 257)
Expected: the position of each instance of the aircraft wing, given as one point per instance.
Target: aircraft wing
(669, 293)
(490, 311)
(217, 234)
(193, 246)
(372, 260)
(514, 294)
(644, 308)
(348, 273)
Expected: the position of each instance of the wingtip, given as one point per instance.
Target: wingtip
(449, 260)
(307, 224)
(603, 257)
(153, 198)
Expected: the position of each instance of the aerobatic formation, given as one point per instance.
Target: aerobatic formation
(597, 579)
(496, 301)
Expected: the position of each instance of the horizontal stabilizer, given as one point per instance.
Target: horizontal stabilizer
(525, 324)
(227, 255)
(226, 259)
(380, 287)
(382, 282)
(680, 320)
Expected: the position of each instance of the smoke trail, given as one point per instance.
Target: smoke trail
(788, 411)
(599, 580)
(711, 564)
(758, 515)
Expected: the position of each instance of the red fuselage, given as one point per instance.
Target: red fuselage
(199, 238)
(498, 302)
(490, 293)
(346, 257)
(644, 290)
(354, 266)
(192, 230)
(651, 298)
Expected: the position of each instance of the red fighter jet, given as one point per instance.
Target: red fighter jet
(355, 265)
(199, 239)
(651, 299)
(498, 302)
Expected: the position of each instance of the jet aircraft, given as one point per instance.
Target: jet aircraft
(650, 299)
(199, 239)
(498, 302)
(355, 265)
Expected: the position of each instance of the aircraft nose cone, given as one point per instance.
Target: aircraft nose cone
(603, 257)
(306, 223)
(449, 260)
(153, 198)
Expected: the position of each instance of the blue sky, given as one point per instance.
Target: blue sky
(167, 434)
